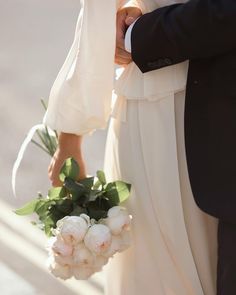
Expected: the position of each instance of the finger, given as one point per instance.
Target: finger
(120, 61)
(120, 37)
(129, 20)
(120, 52)
(121, 27)
(132, 14)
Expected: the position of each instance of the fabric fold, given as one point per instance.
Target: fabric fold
(80, 99)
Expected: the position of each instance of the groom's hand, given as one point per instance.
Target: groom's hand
(125, 17)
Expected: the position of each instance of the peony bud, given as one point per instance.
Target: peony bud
(73, 229)
(60, 247)
(98, 238)
(82, 255)
(118, 220)
(116, 245)
(64, 260)
(60, 271)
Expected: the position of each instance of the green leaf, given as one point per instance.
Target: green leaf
(87, 182)
(65, 206)
(78, 210)
(95, 211)
(49, 223)
(113, 197)
(97, 184)
(55, 214)
(28, 208)
(76, 189)
(93, 195)
(57, 193)
(101, 177)
(123, 190)
(43, 207)
(69, 169)
(110, 186)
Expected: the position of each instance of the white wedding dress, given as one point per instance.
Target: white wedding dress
(174, 250)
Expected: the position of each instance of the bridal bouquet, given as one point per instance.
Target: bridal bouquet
(84, 219)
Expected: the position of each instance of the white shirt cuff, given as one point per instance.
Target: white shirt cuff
(128, 37)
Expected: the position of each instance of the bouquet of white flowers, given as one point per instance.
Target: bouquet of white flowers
(84, 219)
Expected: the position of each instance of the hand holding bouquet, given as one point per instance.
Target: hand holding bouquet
(84, 221)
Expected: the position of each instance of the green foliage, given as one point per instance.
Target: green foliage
(101, 177)
(76, 197)
(47, 139)
(28, 208)
(69, 169)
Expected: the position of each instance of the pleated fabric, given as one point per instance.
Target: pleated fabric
(174, 249)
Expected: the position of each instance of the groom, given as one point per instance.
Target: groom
(203, 32)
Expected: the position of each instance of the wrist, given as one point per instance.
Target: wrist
(68, 139)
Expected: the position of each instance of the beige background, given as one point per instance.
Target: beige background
(35, 38)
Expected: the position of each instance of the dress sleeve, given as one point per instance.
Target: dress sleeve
(81, 96)
(133, 3)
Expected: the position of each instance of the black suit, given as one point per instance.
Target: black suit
(204, 32)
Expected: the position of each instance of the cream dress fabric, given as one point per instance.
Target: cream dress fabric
(174, 250)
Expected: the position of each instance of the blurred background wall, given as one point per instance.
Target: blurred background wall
(35, 38)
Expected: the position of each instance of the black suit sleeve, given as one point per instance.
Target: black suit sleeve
(193, 30)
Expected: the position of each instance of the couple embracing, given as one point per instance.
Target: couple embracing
(171, 134)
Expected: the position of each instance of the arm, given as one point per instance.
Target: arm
(80, 98)
(194, 30)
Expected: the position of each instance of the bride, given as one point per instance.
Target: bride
(174, 243)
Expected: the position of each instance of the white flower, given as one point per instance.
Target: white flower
(73, 228)
(59, 246)
(118, 220)
(98, 238)
(82, 272)
(116, 246)
(82, 255)
(60, 271)
(64, 260)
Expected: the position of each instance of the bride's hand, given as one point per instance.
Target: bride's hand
(69, 146)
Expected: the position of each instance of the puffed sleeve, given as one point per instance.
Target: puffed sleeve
(81, 96)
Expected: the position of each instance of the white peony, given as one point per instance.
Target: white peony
(82, 255)
(118, 220)
(73, 228)
(64, 260)
(60, 271)
(116, 246)
(119, 244)
(59, 246)
(98, 238)
(82, 272)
